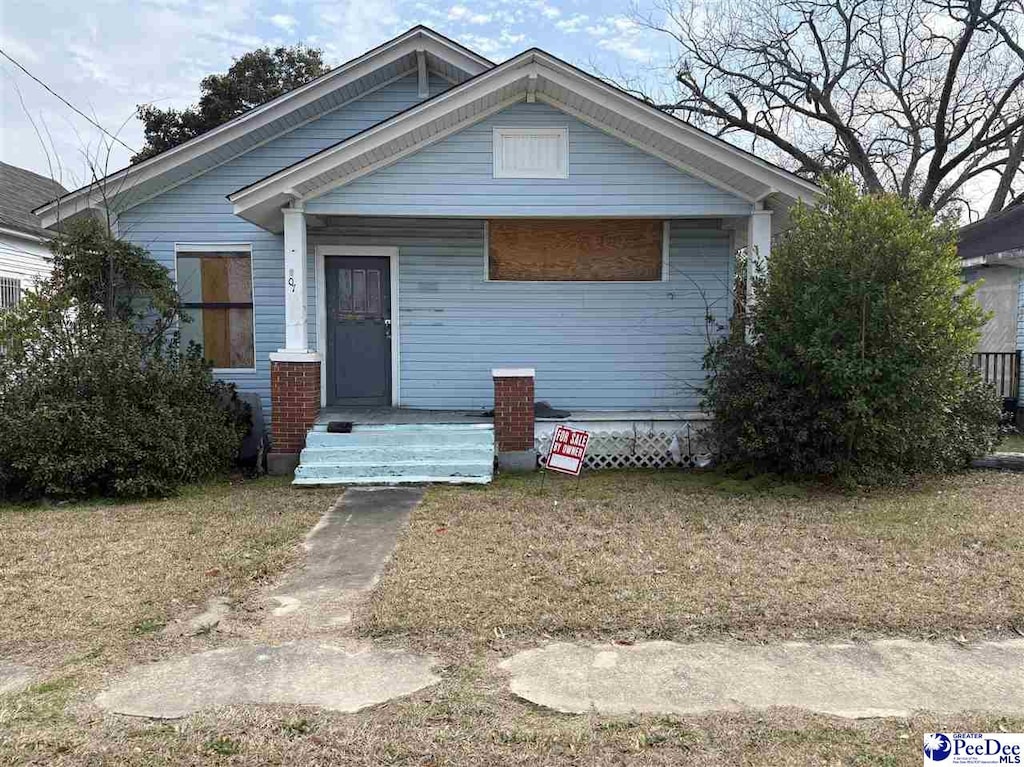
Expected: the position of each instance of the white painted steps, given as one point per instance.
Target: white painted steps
(391, 454)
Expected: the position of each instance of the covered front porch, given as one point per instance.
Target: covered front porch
(623, 358)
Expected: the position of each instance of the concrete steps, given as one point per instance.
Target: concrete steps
(398, 454)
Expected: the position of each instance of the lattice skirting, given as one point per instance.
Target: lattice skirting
(641, 445)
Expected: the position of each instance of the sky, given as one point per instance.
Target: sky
(107, 56)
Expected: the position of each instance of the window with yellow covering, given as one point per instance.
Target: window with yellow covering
(215, 285)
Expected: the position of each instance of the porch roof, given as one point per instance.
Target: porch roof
(533, 75)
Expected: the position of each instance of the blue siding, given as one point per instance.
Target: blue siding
(594, 345)
(198, 212)
(1020, 329)
(607, 177)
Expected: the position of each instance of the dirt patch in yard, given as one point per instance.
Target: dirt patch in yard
(684, 556)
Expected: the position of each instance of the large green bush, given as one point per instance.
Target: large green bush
(856, 365)
(95, 396)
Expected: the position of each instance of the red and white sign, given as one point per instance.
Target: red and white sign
(568, 449)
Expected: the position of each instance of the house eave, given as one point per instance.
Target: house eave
(125, 181)
(545, 78)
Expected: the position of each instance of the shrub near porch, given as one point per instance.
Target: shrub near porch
(687, 556)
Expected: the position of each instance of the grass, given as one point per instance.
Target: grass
(85, 583)
(482, 571)
(692, 557)
(1012, 443)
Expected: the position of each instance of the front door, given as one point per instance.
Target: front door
(358, 330)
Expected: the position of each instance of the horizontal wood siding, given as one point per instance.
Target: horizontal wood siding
(198, 212)
(594, 345)
(454, 177)
(24, 258)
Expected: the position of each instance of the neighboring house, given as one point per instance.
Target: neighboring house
(992, 250)
(24, 243)
(423, 229)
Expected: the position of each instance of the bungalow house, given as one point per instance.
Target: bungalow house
(24, 243)
(421, 236)
(992, 252)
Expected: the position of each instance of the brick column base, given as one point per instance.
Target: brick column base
(513, 419)
(295, 403)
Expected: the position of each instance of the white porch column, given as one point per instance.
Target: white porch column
(759, 248)
(296, 297)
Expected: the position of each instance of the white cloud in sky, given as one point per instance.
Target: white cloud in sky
(574, 23)
(462, 13)
(547, 11)
(284, 22)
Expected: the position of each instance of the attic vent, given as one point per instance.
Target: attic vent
(531, 152)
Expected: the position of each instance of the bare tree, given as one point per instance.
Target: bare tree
(921, 97)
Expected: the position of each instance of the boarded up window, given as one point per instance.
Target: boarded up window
(602, 250)
(216, 296)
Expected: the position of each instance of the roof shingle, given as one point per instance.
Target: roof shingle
(20, 192)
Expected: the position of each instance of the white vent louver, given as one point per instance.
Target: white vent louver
(531, 152)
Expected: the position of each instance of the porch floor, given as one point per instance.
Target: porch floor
(379, 416)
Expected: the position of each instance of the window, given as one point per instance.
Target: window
(215, 285)
(531, 153)
(10, 292)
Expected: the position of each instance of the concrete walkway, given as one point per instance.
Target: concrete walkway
(872, 679)
(283, 662)
(345, 554)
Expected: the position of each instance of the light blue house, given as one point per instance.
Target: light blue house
(394, 240)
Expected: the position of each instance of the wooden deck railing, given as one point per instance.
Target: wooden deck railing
(1001, 369)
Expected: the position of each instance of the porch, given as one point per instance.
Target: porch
(385, 445)
(622, 357)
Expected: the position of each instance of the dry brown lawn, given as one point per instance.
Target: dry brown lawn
(95, 580)
(483, 571)
(632, 556)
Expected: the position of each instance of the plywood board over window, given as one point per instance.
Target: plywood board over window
(216, 293)
(598, 250)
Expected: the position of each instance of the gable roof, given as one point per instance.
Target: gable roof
(20, 192)
(534, 75)
(390, 61)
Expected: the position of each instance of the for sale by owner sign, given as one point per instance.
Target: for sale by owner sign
(568, 449)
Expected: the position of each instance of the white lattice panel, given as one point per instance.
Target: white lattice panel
(646, 446)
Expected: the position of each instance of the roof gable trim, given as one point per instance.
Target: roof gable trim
(418, 38)
(318, 173)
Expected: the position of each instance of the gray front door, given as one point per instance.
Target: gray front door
(358, 330)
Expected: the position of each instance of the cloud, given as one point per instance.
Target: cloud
(462, 13)
(284, 21)
(627, 48)
(623, 37)
(546, 10)
(573, 24)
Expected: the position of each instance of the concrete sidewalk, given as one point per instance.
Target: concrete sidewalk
(858, 680)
